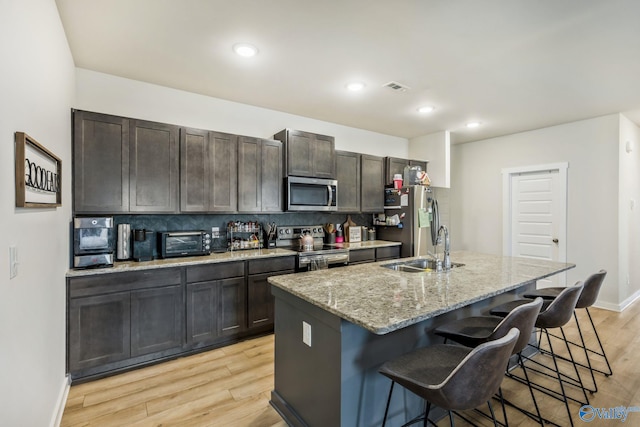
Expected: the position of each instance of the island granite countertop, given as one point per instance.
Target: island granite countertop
(382, 300)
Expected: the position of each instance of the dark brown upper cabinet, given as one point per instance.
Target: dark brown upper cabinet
(394, 165)
(124, 165)
(259, 175)
(153, 167)
(100, 163)
(348, 175)
(372, 184)
(208, 171)
(308, 154)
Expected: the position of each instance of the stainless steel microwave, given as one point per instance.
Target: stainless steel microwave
(311, 194)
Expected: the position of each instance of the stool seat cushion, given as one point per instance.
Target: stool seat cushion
(470, 331)
(453, 377)
(426, 367)
(503, 309)
(544, 293)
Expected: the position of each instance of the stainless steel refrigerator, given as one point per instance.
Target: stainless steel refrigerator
(419, 210)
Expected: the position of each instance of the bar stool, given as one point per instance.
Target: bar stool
(452, 377)
(587, 298)
(475, 330)
(555, 315)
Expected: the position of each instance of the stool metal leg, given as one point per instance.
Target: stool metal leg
(575, 367)
(586, 354)
(386, 410)
(555, 363)
(603, 354)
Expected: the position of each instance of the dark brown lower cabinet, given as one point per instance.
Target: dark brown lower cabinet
(116, 321)
(123, 319)
(216, 301)
(260, 301)
(363, 256)
(157, 320)
(98, 330)
(388, 252)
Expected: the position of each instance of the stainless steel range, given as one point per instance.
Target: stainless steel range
(320, 255)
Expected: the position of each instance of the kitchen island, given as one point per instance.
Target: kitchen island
(334, 328)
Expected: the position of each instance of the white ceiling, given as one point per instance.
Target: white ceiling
(514, 65)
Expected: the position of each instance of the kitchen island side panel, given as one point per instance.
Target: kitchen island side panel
(307, 378)
(336, 380)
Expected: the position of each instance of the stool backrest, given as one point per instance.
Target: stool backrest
(561, 308)
(591, 289)
(523, 317)
(477, 377)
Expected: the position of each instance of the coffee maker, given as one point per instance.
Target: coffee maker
(143, 244)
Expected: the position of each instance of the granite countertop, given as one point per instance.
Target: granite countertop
(382, 300)
(367, 244)
(124, 266)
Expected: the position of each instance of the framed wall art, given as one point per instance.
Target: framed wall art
(38, 174)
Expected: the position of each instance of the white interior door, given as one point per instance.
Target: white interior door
(537, 207)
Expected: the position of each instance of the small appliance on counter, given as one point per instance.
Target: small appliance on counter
(123, 251)
(93, 242)
(143, 243)
(183, 243)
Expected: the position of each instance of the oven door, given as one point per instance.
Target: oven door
(323, 261)
(312, 194)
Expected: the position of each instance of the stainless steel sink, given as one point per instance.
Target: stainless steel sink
(417, 265)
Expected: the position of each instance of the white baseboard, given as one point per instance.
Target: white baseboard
(618, 307)
(62, 401)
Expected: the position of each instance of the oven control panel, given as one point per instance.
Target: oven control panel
(293, 232)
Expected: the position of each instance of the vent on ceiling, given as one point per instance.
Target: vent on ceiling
(398, 87)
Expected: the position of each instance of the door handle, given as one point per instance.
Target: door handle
(555, 241)
(330, 200)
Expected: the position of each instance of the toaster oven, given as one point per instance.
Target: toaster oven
(183, 243)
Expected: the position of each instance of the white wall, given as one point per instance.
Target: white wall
(629, 211)
(37, 87)
(436, 149)
(591, 149)
(109, 94)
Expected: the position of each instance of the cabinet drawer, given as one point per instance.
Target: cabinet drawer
(362, 255)
(269, 265)
(119, 282)
(203, 273)
(388, 252)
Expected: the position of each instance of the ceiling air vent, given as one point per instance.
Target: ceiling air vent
(395, 86)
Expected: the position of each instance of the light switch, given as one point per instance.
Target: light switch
(306, 333)
(13, 262)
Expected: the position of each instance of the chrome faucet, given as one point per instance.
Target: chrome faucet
(446, 261)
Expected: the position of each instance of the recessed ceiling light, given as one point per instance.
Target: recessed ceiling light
(246, 50)
(355, 86)
(471, 125)
(426, 109)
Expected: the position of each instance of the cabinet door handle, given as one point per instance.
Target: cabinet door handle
(555, 241)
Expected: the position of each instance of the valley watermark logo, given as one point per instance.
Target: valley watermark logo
(588, 413)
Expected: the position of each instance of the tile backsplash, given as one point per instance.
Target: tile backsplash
(175, 222)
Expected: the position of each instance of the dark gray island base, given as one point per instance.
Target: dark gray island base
(359, 317)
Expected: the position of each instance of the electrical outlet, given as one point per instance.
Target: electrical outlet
(13, 262)
(306, 333)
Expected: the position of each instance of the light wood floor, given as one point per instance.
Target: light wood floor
(231, 386)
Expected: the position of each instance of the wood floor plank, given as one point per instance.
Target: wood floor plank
(231, 386)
